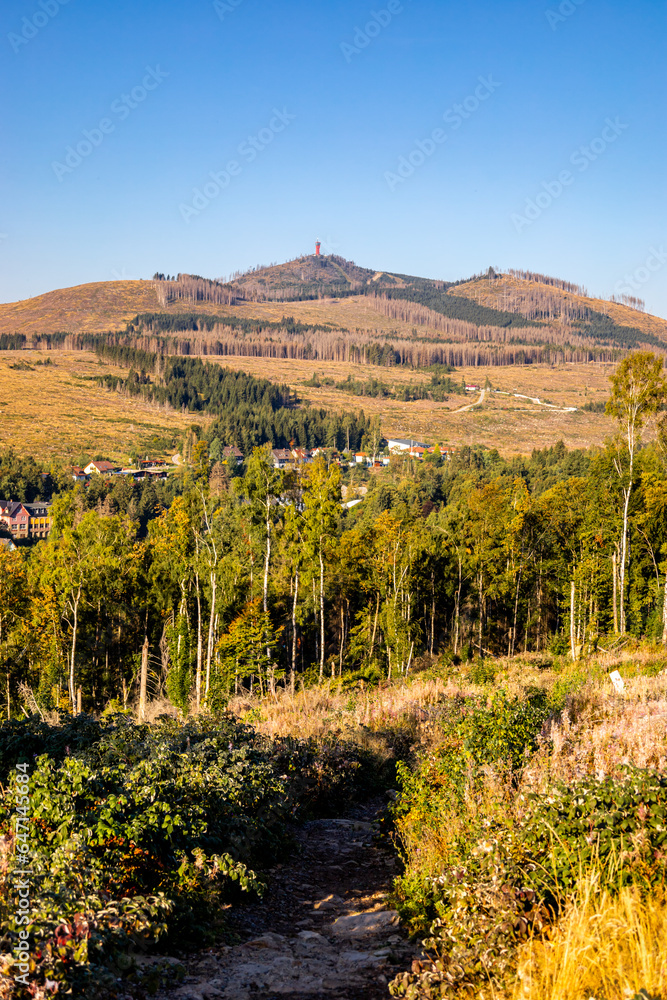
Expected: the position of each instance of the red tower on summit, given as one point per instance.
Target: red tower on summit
(317, 248)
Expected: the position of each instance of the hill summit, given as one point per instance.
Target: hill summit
(309, 275)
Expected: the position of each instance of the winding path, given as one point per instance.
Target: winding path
(323, 930)
(517, 395)
(478, 402)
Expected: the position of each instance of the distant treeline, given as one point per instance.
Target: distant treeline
(361, 347)
(438, 389)
(177, 322)
(12, 341)
(603, 329)
(249, 411)
(191, 288)
(544, 279)
(574, 318)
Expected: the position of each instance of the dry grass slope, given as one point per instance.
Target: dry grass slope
(509, 423)
(53, 411)
(604, 946)
(513, 424)
(91, 308)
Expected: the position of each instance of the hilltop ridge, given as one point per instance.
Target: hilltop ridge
(504, 318)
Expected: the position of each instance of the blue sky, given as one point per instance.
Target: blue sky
(116, 116)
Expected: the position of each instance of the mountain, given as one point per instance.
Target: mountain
(329, 308)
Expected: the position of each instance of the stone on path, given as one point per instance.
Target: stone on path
(361, 924)
(331, 902)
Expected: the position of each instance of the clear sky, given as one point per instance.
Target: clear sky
(317, 121)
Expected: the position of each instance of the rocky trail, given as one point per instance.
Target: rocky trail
(323, 929)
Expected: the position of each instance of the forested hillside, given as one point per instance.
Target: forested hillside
(263, 576)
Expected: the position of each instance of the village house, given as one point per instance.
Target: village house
(101, 468)
(79, 475)
(403, 444)
(231, 451)
(25, 520)
(281, 457)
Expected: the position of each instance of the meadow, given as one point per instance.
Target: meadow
(57, 410)
(512, 425)
(92, 420)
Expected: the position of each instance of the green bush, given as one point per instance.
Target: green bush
(482, 671)
(510, 876)
(139, 832)
(475, 733)
(617, 825)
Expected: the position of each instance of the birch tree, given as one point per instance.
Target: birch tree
(638, 392)
(321, 513)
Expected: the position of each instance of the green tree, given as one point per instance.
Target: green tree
(638, 391)
(244, 649)
(13, 604)
(84, 559)
(321, 516)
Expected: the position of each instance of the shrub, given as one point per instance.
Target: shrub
(140, 832)
(515, 873)
(482, 671)
(615, 825)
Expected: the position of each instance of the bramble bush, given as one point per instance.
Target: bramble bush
(139, 833)
(617, 825)
(505, 864)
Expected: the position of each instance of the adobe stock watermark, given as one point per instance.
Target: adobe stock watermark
(564, 10)
(31, 26)
(378, 20)
(222, 7)
(249, 150)
(329, 245)
(122, 108)
(580, 158)
(631, 283)
(454, 117)
(21, 873)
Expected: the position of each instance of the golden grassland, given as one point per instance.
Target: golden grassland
(604, 946)
(108, 305)
(49, 411)
(53, 412)
(512, 425)
(90, 308)
(354, 313)
(609, 730)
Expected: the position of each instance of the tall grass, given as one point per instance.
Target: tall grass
(606, 947)
(329, 708)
